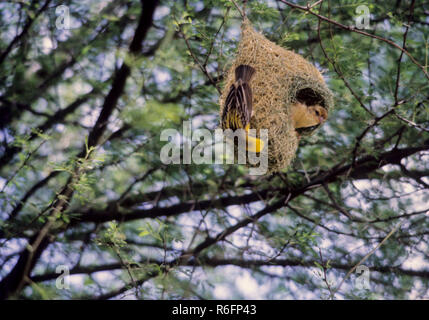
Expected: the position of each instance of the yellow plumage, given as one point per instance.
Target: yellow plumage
(238, 107)
(307, 118)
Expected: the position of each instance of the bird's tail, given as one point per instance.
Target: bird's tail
(253, 144)
(244, 72)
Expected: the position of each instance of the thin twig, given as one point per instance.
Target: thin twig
(338, 71)
(24, 163)
(202, 67)
(354, 29)
(214, 38)
(411, 123)
(238, 8)
(365, 258)
(398, 74)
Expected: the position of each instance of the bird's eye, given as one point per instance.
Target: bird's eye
(317, 113)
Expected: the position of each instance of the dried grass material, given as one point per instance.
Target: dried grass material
(282, 77)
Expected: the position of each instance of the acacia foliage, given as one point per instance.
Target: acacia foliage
(83, 186)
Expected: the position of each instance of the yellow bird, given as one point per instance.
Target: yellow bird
(306, 119)
(238, 107)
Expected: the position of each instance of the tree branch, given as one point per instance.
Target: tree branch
(17, 278)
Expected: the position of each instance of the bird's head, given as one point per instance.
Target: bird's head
(316, 116)
(319, 112)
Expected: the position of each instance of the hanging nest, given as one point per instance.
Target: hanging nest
(282, 78)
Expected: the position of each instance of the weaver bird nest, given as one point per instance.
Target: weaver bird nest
(281, 79)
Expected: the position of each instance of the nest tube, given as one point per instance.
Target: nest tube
(282, 77)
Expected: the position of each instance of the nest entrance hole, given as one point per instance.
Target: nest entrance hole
(310, 97)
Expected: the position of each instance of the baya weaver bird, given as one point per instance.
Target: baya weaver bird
(238, 107)
(306, 118)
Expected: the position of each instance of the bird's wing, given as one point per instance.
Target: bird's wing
(229, 103)
(245, 103)
(238, 107)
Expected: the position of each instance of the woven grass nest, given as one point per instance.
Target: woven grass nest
(282, 77)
